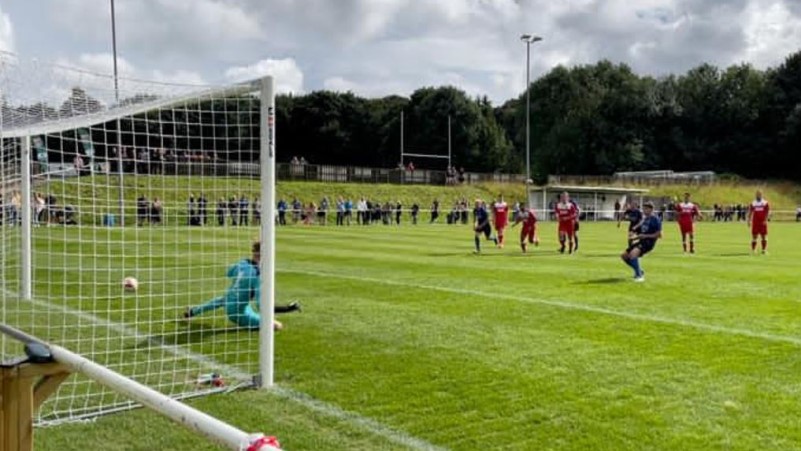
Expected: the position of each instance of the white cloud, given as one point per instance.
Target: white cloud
(6, 33)
(772, 32)
(377, 47)
(287, 74)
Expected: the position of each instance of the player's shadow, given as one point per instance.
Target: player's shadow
(194, 332)
(604, 281)
(617, 255)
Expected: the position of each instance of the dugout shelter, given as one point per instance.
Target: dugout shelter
(597, 203)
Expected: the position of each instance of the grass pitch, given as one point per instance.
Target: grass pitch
(408, 340)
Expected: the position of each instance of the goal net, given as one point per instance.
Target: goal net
(152, 181)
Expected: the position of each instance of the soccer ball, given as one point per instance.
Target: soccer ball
(130, 284)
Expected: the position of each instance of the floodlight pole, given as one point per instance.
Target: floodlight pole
(120, 169)
(528, 39)
(114, 50)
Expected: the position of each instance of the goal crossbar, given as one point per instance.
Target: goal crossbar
(22, 393)
(32, 128)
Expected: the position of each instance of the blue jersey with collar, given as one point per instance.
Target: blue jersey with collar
(651, 224)
(481, 216)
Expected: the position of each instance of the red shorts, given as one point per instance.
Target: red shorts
(759, 229)
(567, 228)
(686, 227)
(528, 233)
(500, 225)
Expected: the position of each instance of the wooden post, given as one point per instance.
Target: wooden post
(23, 388)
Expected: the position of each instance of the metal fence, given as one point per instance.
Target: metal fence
(294, 172)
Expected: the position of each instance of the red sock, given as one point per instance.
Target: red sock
(753, 245)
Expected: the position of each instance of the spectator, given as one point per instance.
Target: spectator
(434, 211)
(39, 209)
(78, 163)
(340, 212)
(144, 161)
(398, 212)
(50, 200)
(141, 210)
(322, 213)
(155, 211)
(243, 210)
(282, 207)
(410, 167)
(257, 211)
(194, 212)
(303, 161)
(202, 205)
(415, 212)
(233, 210)
(361, 212)
(221, 206)
(798, 214)
(297, 210)
(348, 211)
(461, 176)
(311, 212)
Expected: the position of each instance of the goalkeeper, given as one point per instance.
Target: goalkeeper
(246, 287)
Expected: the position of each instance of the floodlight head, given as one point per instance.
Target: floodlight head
(527, 38)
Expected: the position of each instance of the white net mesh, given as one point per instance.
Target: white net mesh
(161, 186)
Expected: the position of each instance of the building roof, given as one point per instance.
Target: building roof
(591, 189)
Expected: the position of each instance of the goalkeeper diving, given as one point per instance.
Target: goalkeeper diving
(243, 294)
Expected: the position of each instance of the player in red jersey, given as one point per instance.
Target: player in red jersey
(500, 216)
(758, 214)
(528, 234)
(566, 214)
(688, 212)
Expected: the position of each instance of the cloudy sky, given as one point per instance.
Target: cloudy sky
(379, 47)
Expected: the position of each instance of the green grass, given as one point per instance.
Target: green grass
(403, 325)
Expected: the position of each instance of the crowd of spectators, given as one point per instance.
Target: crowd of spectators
(45, 210)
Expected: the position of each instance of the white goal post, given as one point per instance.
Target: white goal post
(16, 421)
(170, 186)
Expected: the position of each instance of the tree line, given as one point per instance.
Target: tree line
(590, 119)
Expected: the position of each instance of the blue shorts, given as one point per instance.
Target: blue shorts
(486, 230)
(643, 247)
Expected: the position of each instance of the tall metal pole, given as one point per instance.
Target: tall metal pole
(401, 139)
(114, 50)
(449, 140)
(528, 111)
(120, 169)
(528, 39)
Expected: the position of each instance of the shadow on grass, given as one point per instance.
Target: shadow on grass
(604, 281)
(615, 255)
(189, 333)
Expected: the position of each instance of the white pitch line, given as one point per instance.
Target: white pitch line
(565, 305)
(354, 419)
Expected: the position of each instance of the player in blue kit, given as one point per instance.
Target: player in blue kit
(643, 241)
(634, 215)
(482, 225)
(241, 301)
